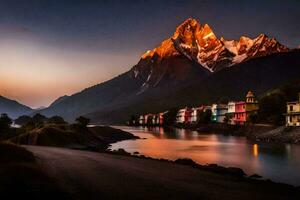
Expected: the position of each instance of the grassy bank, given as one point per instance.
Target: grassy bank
(70, 136)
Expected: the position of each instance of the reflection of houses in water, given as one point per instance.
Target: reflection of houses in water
(255, 150)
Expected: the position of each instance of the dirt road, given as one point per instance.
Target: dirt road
(91, 175)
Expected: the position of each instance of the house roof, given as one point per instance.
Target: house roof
(250, 94)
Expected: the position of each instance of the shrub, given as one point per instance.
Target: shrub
(82, 121)
(5, 122)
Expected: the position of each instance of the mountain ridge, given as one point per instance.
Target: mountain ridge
(13, 108)
(192, 54)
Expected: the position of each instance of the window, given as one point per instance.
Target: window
(291, 108)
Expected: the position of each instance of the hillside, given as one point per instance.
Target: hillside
(13, 108)
(259, 75)
(192, 66)
(70, 136)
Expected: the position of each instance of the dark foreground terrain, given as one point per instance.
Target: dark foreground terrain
(91, 175)
(21, 176)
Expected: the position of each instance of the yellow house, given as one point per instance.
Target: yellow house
(251, 103)
(293, 113)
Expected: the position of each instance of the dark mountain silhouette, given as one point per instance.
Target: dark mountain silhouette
(13, 108)
(62, 98)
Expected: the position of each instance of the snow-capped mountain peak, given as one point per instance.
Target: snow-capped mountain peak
(199, 45)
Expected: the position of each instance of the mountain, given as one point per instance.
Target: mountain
(59, 99)
(184, 63)
(259, 75)
(201, 45)
(13, 108)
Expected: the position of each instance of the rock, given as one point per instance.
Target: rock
(234, 171)
(256, 176)
(185, 161)
(122, 152)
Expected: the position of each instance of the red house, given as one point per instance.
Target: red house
(244, 109)
(240, 113)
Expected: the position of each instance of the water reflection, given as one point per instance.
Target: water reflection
(255, 150)
(278, 162)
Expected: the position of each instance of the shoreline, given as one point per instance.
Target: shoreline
(234, 172)
(261, 133)
(212, 167)
(182, 178)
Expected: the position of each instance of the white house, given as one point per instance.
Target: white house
(231, 111)
(184, 115)
(293, 113)
(195, 112)
(219, 112)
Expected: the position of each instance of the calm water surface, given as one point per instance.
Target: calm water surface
(280, 163)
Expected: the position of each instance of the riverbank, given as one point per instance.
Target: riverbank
(255, 132)
(112, 176)
(281, 134)
(96, 138)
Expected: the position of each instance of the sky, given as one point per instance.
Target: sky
(51, 48)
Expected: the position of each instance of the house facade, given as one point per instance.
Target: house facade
(230, 112)
(196, 111)
(219, 112)
(152, 119)
(244, 109)
(142, 120)
(184, 116)
(293, 113)
(194, 114)
(239, 116)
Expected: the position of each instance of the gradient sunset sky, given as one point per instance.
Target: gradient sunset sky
(56, 47)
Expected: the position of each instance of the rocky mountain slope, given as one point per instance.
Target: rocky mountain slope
(192, 56)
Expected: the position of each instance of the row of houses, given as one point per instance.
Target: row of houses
(232, 113)
(152, 119)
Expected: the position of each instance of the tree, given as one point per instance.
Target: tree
(56, 120)
(38, 118)
(271, 109)
(170, 117)
(23, 120)
(253, 118)
(5, 122)
(82, 121)
(133, 120)
(204, 117)
(226, 119)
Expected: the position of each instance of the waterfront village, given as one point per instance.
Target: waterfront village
(233, 113)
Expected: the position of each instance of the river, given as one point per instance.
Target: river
(278, 162)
